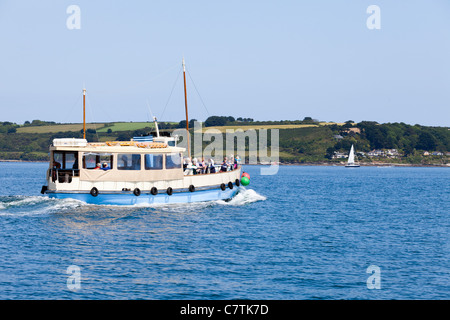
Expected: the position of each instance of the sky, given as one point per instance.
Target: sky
(266, 60)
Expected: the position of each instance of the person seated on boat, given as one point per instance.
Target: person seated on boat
(211, 167)
(201, 167)
(105, 166)
(224, 166)
(235, 163)
(185, 163)
(190, 168)
(238, 161)
(98, 166)
(204, 166)
(231, 162)
(195, 166)
(56, 165)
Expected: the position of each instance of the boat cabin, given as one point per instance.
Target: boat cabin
(135, 160)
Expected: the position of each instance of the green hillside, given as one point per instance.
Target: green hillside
(305, 141)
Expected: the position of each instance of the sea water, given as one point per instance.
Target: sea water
(307, 232)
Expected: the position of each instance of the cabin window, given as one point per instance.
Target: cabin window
(173, 160)
(153, 161)
(97, 160)
(65, 160)
(64, 166)
(127, 161)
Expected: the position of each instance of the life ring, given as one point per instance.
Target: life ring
(169, 191)
(191, 188)
(94, 192)
(223, 186)
(137, 192)
(230, 185)
(238, 183)
(154, 191)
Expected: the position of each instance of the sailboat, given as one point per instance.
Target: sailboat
(351, 159)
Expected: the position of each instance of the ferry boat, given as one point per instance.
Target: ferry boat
(144, 170)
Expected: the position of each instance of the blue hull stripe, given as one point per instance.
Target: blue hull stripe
(131, 199)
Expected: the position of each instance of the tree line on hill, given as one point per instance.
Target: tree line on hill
(407, 138)
(212, 121)
(309, 144)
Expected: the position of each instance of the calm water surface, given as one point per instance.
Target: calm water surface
(304, 233)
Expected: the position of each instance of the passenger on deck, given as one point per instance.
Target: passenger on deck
(105, 166)
(201, 167)
(238, 161)
(204, 165)
(98, 166)
(190, 167)
(56, 165)
(211, 168)
(224, 166)
(230, 161)
(194, 166)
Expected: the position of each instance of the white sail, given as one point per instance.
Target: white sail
(351, 156)
(351, 159)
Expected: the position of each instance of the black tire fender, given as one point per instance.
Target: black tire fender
(94, 192)
(43, 189)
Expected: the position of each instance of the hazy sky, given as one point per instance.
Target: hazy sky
(267, 60)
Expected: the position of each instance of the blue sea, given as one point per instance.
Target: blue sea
(308, 232)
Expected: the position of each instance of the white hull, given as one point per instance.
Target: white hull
(193, 188)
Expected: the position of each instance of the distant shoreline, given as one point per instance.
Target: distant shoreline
(368, 165)
(318, 164)
(8, 160)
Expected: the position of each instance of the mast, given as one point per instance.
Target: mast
(156, 126)
(84, 113)
(185, 105)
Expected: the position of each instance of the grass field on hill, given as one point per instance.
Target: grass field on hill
(131, 126)
(125, 126)
(58, 128)
(99, 127)
(256, 127)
